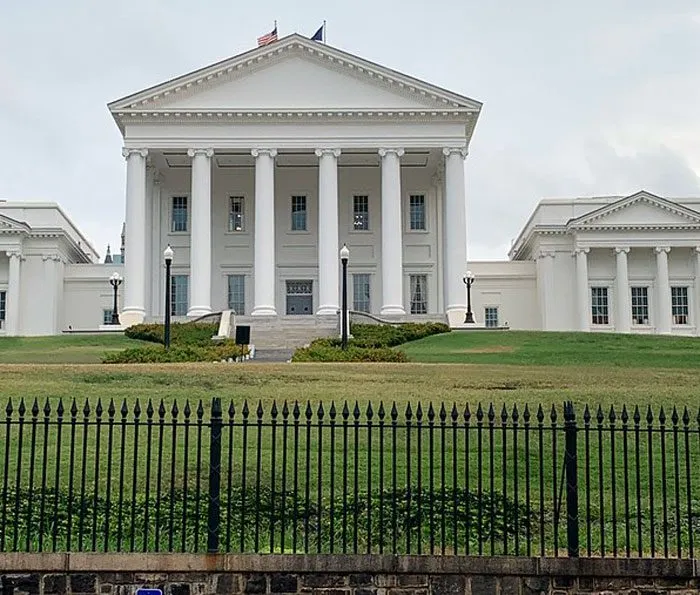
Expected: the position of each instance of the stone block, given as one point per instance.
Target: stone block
(121, 578)
(671, 582)
(255, 583)
(332, 591)
(179, 589)
(226, 584)
(484, 585)
(610, 584)
(83, 583)
(283, 583)
(26, 583)
(323, 580)
(152, 578)
(365, 591)
(106, 588)
(386, 580)
(533, 585)
(448, 584)
(586, 583)
(510, 585)
(360, 580)
(412, 580)
(409, 591)
(54, 584)
(564, 582)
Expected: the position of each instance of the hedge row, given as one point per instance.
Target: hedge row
(187, 333)
(369, 343)
(214, 352)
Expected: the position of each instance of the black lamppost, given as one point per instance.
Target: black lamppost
(168, 256)
(115, 281)
(344, 257)
(468, 280)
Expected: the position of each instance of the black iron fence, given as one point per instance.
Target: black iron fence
(335, 479)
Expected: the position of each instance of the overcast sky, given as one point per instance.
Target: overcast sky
(580, 98)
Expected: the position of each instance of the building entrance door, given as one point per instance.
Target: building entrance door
(300, 299)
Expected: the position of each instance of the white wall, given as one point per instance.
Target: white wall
(86, 293)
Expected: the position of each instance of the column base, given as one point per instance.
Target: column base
(197, 311)
(131, 316)
(392, 311)
(327, 311)
(264, 311)
(456, 317)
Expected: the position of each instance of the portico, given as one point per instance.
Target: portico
(301, 172)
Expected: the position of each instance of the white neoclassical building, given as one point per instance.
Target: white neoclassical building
(257, 169)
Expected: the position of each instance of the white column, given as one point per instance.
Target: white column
(696, 294)
(623, 312)
(663, 291)
(328, 276)
(392, 241)
(264, 260)
(51, 262)
(455, 256)
(134, 309)
(582, 291)
(13, 293)
(545, 286)
(200, 237)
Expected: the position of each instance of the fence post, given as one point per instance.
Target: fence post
(571, 467)
(214, 478)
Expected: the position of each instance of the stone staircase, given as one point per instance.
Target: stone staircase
(287, 332)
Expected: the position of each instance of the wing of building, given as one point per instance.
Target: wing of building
(257, 169)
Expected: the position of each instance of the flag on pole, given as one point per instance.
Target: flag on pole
(318, 36)
(268, 37)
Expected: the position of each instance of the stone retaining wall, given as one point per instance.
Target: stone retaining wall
(184, 574)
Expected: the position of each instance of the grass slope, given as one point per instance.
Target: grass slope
(557, 349)
(61, 349)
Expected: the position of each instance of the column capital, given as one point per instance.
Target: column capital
(622, 249)
(463, 151)
(127, 152)
(545, 254)
(321, 152)
(209, 153)
(660, 249)
(52, 256)
(270, 152)
(384, 152)
(697, 249)
(580, 250)
(14, 253)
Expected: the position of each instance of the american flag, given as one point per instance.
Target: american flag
(268, 37)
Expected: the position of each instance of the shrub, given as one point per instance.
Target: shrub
(369, 343)
(376, 335)
(212, 352)
(322, 351)
(187, 333)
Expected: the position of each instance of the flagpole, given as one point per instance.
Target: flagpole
(275, 29)
(325, 36)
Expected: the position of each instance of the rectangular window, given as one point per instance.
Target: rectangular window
(360, 213)
(179, 295)
(107, 316)
(416, 209)
(419, 294)
(236, 293)
(360, 292)
(491, 316)
(679, 305)
(640, 305)
(3, 308)
(298, 213)
(178, 221)
(236, 217)
(599, 305)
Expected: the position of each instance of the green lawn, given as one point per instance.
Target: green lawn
(61, 349)
(557, 349)
(503, 368)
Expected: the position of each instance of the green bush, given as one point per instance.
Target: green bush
(369, 343)
(322, 351)
(212, 352)
(187, 333)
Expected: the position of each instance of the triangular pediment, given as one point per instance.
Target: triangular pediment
(7, 224)
(294, 73)
(639, 210)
